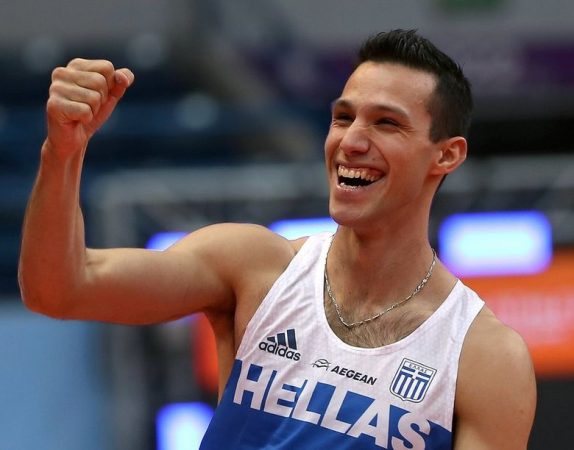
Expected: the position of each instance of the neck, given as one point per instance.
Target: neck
(399, 238)
(378, 268)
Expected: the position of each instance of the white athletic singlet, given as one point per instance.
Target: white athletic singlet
(296, 385)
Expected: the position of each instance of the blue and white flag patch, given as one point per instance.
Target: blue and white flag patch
(412, 380)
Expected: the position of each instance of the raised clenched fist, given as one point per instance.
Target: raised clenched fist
(82, 96)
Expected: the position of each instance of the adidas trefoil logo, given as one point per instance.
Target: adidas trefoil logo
(282, 344)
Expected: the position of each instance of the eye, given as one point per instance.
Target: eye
(342, 118)
(387, 121)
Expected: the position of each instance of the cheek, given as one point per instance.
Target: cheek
(404, 169)
(410, 176)
(331, 143)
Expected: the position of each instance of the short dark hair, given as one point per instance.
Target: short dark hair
(450, 106)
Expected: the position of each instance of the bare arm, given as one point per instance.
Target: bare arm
(60, 277)
(496, 389)
(82, 97)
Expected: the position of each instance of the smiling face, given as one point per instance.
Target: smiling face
(378, 152)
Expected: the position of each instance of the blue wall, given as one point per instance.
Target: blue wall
(52, 388)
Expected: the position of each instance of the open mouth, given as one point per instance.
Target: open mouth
(357, 177)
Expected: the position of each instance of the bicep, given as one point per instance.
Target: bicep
(136, 286)
(496, 393)
(205, 271)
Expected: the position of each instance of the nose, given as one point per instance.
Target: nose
(355, 139)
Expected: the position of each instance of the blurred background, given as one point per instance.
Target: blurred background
(226, 122)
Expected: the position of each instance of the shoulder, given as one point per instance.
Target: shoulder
(236, 241)
(490, 341)
(235, 249)
(496, 388)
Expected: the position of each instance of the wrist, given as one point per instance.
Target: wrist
(59, 153)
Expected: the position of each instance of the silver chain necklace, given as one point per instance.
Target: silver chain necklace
(419, 288)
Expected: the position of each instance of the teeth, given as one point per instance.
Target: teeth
(345, 172)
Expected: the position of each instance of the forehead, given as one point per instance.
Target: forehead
(389, 84)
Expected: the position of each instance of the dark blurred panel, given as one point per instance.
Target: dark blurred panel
(553, 422)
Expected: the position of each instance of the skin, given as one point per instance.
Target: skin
(380, 124)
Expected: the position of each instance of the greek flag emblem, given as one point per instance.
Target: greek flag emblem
(412, 380)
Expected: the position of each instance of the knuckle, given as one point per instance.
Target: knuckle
(84, 113)
(54, 106)
(51, 104)
(80, 112)
(100, 81)
(96, 95)
(94, 98)
(57, 90)
(97, 85)
(76, 62)
(58, 73)
(107, 66)
(53, 89)
(56, 85)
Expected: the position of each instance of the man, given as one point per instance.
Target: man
(361, 340)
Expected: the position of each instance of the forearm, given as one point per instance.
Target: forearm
(53, 255)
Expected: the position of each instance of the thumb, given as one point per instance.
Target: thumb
(123, 79)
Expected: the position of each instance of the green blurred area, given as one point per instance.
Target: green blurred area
(470, 5)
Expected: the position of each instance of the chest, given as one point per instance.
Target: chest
(384, 330)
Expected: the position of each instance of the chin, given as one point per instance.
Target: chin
(346, 217)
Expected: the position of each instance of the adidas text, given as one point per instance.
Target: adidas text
(280, 350)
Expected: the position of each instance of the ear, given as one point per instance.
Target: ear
(450, 154)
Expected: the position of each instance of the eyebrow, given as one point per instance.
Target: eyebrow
(376, 107)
